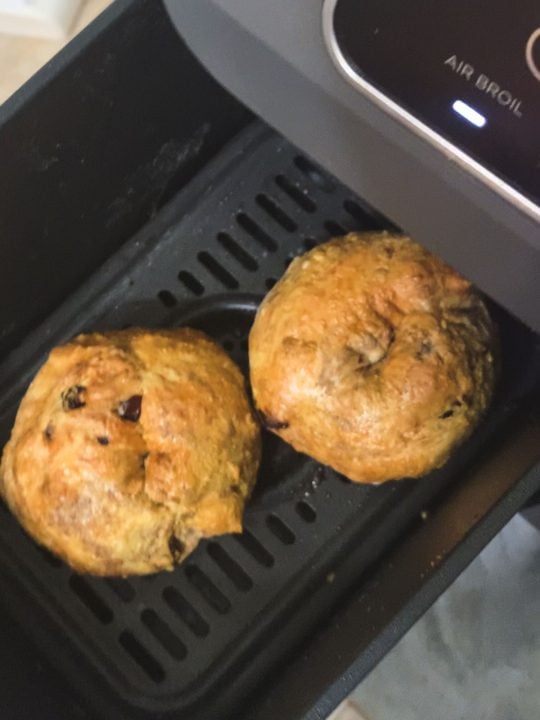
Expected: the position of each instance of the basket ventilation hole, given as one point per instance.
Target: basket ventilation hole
(180, 606)
(121, 588)
(141, 656)
(309, 243)
(306, 512)
(232, 570)
(276, 212)
(166, 298)
(237, 252)
(252, 546)
(312, 172)
(334, 228)
(191, 283)
(302, 199)
(270, 282)
(368, 218)
(217, 270)
(88, 596)
(278, 528)
(356, 212)
(163, 634)
(255, 231)
(207, 589)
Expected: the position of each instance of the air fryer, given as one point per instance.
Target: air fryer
(140, 190)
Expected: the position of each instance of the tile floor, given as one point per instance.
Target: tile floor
(475, 655)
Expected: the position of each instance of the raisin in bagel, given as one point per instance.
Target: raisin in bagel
(372, 356)
(129, 447)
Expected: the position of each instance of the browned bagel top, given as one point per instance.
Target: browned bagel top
(129, 447)
(373, 356)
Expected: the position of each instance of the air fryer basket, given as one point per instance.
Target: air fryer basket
(202, 636)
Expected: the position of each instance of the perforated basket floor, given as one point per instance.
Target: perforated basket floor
(241, 603)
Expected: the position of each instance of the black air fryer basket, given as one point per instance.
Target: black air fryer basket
(135, 191)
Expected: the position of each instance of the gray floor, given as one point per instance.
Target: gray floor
(476, 653)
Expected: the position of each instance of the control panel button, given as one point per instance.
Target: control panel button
(532, 53)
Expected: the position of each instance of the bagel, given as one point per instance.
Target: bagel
(373, 356)
(129, 447)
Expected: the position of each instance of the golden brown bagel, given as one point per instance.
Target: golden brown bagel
(372, 356)
(129, 447)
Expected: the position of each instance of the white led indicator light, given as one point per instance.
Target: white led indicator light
(469, 113)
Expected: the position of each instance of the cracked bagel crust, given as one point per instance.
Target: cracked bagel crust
(129, 447)
(372, 356)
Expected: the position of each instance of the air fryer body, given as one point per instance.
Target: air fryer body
(275, 58)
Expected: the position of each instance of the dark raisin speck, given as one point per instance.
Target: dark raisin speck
(271, 423)
(74, 397)
(103, 440)
(176, 547)
(130, 409)
(49, 432)
(236, 489)
(446, 414)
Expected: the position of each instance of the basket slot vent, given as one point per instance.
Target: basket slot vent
(256, 232)
(167, 299)
(201, 582)
(301, 198)
(257, 551)
(356, 212)
(189, 616)
(312, 172)
(334, 228)
(366, 216)
(276, 212)
(163, 634)
(237, 252)
(217, 270)
(232, 570)
(305, 511)
(191, 283)
(141, 656)
(278, 528)
(122, 588)
(90, 599)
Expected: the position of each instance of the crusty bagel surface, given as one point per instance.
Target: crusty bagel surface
(129, 447)
(373, 356)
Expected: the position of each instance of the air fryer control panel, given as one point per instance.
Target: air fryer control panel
(467, 70)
